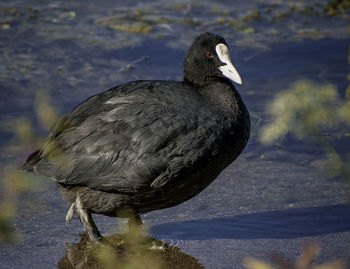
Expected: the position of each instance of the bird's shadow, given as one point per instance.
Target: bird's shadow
(281, 224)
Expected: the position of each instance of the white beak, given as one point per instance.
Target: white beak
(228, 70)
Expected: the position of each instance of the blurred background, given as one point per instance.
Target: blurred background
(289, 186)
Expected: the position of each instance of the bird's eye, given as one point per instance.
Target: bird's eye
(209, 54)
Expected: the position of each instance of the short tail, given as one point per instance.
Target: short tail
(31, 161)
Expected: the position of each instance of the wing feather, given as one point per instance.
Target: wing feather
(138, 135)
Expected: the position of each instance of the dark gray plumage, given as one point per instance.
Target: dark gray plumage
(147, 145)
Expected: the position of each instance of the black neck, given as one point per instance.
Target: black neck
(207, 81)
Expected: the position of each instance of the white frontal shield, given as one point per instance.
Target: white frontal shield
(228, 70)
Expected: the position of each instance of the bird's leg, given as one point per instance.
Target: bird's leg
(134, 234)
(70, 213)
(87, 221)
(135, 221)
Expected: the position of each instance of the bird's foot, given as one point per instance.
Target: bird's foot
(70, 213)
(87, 221)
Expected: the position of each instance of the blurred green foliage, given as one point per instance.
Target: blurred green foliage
(304, 261)
(305, 110)
(15, 182)
(348, 77)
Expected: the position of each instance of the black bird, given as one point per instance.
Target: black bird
(149, 144)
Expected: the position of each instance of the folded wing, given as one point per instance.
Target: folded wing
(135, 136)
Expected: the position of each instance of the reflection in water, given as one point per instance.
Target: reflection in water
(125, 251)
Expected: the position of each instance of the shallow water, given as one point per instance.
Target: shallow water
(272, 198)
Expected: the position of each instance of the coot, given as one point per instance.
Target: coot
(148, 144)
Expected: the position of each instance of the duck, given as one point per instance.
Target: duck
(147, 145)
